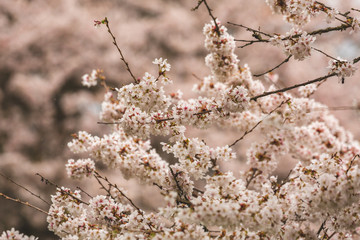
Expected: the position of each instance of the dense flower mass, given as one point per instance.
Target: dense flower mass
(318, 199)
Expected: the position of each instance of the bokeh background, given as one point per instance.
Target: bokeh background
(46, 46)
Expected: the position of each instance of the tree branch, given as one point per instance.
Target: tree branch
(277, 66)
(257, 124)
(294, 86)
(38, 196)
(106, 22)
(24, 203)
(217, 29)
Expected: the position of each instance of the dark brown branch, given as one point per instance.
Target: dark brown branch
(256, 32)
(342, 27)
(351, 163)
(257, 124)
(197, 6)
(321, 227)
(98, 177)
(333, 234)
(82, 190)
(180, 190)
(318, 50)
(294, 86)
(198, 190)
(38, 196)
(250, 42)
(163, 119)
(325, 6)
(22, 202)
(106, 22)
(286, 180)
(255, 172)
(356, 60)
(217, 29)
(47, 181)
(277, 66)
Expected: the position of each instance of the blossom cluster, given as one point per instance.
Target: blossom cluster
(341, 68)
(296, 43)
(323, 184)
(299, 12)
(15, 235)
(80, 168)
(90, 80)
(319, 198)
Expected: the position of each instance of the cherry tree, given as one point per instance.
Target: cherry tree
(319, 197)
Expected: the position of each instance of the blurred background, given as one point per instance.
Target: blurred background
(46, 46)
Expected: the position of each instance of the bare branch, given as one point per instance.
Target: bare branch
(254, 173)
(257, 124)
(182, 194)
(256, 32)
(82, 190)
(22, 202)
(38, 196)
(277, 66)
(321, 227)
(118, 48)
(294, 86)
(318, 50)
(47, 181)
(351, 163)
(217, 29)
(98, 176)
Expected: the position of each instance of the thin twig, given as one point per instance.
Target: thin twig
(182, 194)
(118, 48)
(47, 181)
(294, 86)
(217, 29)
(341, 27)
(283, 182)
(197, 6)
(251, 30)
(84, 192)
(22, 202)
(255, 172)
(321, 227)
(162, 119)
(257, 124)
(356, 60)
(250, 42)
(98, 176)
(197, 77)
(38, 196)
(333, 234)
(177, 183)
(352, 161)
(277, 66)
(318, 50)
(330, 8)
(257, 33)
